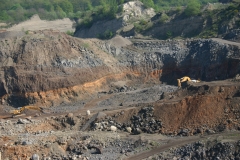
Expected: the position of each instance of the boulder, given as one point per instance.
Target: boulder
(113, 128)
(129, 129)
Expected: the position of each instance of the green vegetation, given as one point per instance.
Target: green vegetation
(164, 5)
(85, 45)
(15, 11)
(193, 8)
(87, 12)
(169, 34)
(142, 25)
(106, 35)
(218, 18)
(70, 33)
(164, 18)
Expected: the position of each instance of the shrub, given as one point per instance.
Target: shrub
(168, 34)
(164, 18)
(70, 33)
(193, 8)
(106, 35)
(138, 27)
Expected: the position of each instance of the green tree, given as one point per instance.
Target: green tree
(66, 6)
(193, 8)
(60, 12)
(113, 5)
(4, 16)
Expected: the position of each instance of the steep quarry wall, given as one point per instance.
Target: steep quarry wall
(207, 59)
(49, 68)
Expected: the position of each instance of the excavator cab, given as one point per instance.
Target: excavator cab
(186, 79)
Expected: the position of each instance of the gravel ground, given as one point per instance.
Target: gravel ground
(118, 97)
(145, 95)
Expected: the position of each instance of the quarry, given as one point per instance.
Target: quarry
(80, 97)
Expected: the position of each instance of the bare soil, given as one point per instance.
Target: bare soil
(35, 24)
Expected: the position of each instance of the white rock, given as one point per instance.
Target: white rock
(97, 125)
(129, 129)
(113, 128)
(88, 112)
(35, 157)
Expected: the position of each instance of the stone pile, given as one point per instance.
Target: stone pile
(144, 121)
(204, 150)
(118, 89)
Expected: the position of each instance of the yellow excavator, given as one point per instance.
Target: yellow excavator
(20, 110)
(184, 79)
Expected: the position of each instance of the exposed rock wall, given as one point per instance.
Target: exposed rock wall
(180, 27)
(99, 28)
(49, 68)
(207, 59)
(47, 61)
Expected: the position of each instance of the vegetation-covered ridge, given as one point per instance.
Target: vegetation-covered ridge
(15, 11)
(214, 20)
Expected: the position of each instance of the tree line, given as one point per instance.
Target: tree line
(14, 11)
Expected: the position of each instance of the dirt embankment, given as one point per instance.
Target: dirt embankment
(209, 107)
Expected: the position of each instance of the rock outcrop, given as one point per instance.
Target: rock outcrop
(207, 59)
(131, 11)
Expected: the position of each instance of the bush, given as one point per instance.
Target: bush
(143, 22)
(138, 27)
(193, 8)
(70, 33)
(106, 35)
(168, 34)
(164, 18)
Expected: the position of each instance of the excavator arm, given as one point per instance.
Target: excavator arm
(19, 111)
(184, 79)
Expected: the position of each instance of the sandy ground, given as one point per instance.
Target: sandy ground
(35, 23)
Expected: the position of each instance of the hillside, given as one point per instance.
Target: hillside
(19, 10)
(214, 20)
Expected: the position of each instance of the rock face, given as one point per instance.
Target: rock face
(49, 68)
(177, 27)
(99, 28)
(45, 61)
(207, 59)
(135, 9)
(131, 10)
